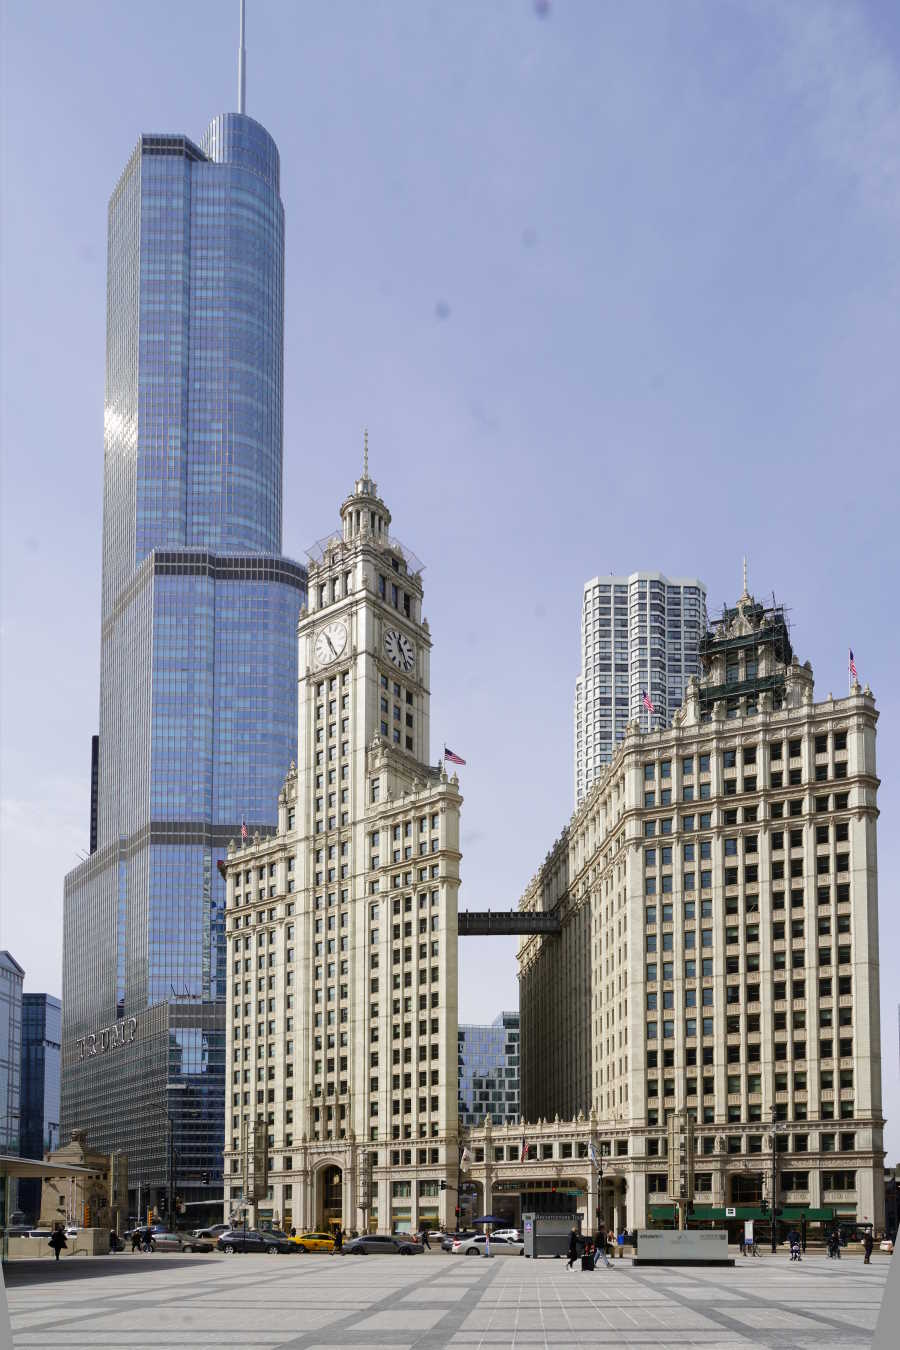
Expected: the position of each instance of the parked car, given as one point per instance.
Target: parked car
(512, 1233)
(393, 1244)
(313, 1242)
(474, 1246)
(252, 1240)
(448, 1239)
(166, 1241)
(211, 1232)
(35, 1233)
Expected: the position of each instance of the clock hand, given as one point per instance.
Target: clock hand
(331, 645)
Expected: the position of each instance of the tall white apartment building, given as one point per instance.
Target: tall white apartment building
(639, 634)
(342, 927)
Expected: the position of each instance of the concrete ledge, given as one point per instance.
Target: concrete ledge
(686, 1261)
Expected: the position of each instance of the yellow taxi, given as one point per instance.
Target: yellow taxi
(314, 1242)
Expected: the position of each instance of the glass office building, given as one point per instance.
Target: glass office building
(489, 1071)
(198, 686)
(11, 979)
(41, 1031)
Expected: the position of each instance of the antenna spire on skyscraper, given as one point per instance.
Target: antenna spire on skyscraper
(242, 68)
(366, 453)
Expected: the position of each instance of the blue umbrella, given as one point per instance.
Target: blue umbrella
(489, 1218)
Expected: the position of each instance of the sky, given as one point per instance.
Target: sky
(612, 287)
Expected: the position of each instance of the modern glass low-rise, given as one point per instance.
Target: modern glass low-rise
(489, 1071)
(41, 1032)
(198, 689)
(639, 635)
(11, 978)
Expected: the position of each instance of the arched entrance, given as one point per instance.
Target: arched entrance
(746, 1188)
(331, 1197)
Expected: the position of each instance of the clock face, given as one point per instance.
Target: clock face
(330, 642)
(399, 649)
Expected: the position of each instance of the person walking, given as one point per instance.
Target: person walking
(600, 1245)
(135, 1239)
(573, 1248)
(57, 1241)
(868, 1243)
(425, 1243)
(338, 1241)
(794, 1244)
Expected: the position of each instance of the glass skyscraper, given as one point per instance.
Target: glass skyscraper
(198, 684)
(489, 1071)
(639, 635)
(41, 1030)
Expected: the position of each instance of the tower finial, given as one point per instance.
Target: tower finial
(242, 68)
(366, 453)
(746, 591)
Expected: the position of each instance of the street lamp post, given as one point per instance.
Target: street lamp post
(171, 1156)
(774, 1195)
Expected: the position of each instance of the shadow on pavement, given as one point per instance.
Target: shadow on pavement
(17, 1274)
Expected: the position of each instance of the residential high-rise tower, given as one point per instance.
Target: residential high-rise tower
(198, 690)
(639, 635)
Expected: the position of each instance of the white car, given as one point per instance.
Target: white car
(512, 1234)
(474, 1246)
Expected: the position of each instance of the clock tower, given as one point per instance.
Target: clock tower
(360, 1057)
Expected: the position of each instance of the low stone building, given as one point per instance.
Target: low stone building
(98, 1200)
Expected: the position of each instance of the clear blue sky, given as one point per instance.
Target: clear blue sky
(614, 287)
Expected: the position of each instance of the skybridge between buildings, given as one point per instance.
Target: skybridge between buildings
(506, 923)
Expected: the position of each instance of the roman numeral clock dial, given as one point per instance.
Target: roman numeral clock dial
(330, 642)
(399, 649)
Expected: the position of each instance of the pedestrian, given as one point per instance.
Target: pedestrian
(338, 1240)
(867, 1245)
(620, 1243)
(600, 1247)
(573, 1248)
(57, 1241)
(425, 1243)
(293, 1232)
(147, 1243)
(794, 1244)
(587, 1259)
(135, 1239)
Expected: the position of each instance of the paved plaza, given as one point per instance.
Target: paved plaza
(432, 1301)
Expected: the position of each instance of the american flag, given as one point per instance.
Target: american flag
(645, 699)
(243, 828)
(852, 665)
(453, 758)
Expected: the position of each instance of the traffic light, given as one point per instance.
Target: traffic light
(443, 1185)
(457, 1211)
(205, 1179)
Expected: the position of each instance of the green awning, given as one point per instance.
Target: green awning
(746, 1212)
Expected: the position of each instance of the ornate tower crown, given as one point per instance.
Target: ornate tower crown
(364, 512)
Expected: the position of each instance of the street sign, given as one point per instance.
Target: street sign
(730, 1213)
